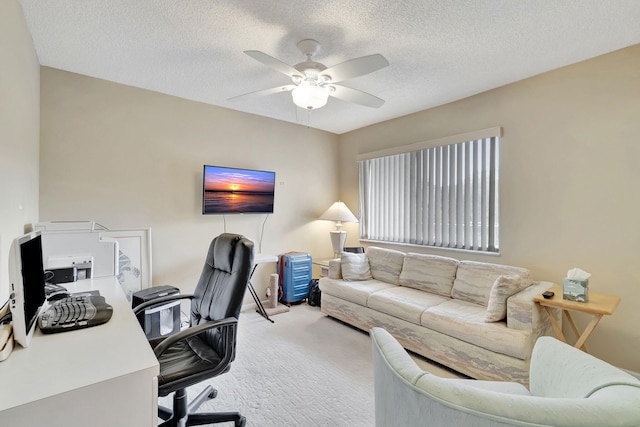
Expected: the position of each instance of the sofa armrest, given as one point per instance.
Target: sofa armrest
(335, 271)
(560, 370)
(524, 314)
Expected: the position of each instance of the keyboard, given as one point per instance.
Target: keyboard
(75, 312)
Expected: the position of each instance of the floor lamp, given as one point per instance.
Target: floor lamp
(338, 212)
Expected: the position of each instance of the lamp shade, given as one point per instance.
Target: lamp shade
(339, 212)
(309, 95)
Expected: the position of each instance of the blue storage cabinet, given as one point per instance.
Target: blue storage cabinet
(294, 269)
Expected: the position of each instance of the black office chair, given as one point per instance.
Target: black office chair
(207, 348)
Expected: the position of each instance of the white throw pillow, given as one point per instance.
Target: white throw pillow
(355, 266)
(502, 289)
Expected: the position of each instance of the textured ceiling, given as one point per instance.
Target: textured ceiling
(439, 50)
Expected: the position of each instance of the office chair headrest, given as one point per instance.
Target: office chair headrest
(223, 251)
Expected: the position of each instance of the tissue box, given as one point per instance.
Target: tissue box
(575, 290)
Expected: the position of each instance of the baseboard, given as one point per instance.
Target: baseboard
(270, 311)
(249, 307)
(252, 306)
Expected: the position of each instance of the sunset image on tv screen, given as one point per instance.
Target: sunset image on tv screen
(229, 190)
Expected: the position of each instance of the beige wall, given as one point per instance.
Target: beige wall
(130, 158)
(19, 132)
(569, 179)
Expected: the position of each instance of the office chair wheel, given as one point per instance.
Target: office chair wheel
(213, 394)
(241, 422)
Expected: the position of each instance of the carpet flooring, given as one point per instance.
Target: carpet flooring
(306, 369)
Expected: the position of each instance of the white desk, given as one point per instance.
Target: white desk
(100, 376)
(264, 259)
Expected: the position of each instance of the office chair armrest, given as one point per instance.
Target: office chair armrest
(228, 324)
(160, 300)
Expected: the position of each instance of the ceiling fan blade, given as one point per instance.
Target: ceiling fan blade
(355, 67)
(285, 88)
(356, 96)
(272, 62)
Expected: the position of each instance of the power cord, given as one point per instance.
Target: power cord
(262, 233)
(266, 217)
(185, 321)
(5, 314)
(6, 332)
(48, 275)
(6, 319)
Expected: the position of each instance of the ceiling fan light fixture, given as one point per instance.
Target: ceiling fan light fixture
(313, 82)
(309, 95)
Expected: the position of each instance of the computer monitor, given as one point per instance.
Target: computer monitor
(26, 277)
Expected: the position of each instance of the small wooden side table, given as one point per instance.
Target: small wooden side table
(597, 306)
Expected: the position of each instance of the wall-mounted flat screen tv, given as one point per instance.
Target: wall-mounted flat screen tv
(237, 191)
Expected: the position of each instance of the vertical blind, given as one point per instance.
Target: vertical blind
(444, 196)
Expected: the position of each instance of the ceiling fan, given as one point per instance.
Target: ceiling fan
(313, 82)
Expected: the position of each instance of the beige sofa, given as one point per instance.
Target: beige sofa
(476, 318)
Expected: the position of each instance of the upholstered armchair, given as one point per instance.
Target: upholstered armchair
(567, 388)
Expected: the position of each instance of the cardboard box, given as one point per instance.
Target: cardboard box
(575, 290)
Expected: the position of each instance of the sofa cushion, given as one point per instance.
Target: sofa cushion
(465, 321)
(429, 273)
(404, 303)
(502, 289)
(385, 264)
(474, 280)
(355, 292)
(355, 266)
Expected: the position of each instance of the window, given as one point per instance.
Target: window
(441, 193)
